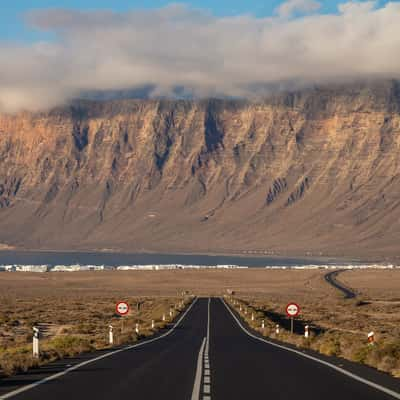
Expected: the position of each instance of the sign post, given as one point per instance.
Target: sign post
(292, 310)
(122, 309)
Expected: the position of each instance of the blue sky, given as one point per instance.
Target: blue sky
(12, 25)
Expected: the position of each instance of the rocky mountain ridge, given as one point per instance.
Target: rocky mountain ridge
(311, 172)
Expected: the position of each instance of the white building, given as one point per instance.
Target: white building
(78, 267)
(32, 268)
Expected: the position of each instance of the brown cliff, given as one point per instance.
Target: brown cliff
(313, 171)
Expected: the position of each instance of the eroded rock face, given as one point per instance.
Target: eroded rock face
(310, 171)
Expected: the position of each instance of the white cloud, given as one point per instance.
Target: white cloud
(209, 56)
(291, 7)
(355, 7)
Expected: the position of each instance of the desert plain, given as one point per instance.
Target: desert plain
(75, 309)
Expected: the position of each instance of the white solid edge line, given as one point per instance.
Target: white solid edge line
(199, 371)
(62, 373)
(390, 392)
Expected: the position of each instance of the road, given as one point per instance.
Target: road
(330, 277)
(208, 355)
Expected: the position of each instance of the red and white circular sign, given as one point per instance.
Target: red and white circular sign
(122, 308)
(292, 310)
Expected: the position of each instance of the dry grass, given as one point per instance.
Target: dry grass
(158, 283)
(73, 313)
(72, 326)
(375, 284)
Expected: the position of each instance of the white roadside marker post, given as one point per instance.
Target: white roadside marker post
(163, 317)
(252, 316)
(152, 324)
(371, 338)
(277, 329)
(170, 312)
(137, 329)
(262, 324)
(307, 331)
(110, 335)
(36, 333)
(240, 308)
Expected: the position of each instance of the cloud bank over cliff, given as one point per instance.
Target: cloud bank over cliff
(201, 54)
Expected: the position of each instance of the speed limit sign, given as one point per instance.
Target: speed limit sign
(122, 308)
(292, 310)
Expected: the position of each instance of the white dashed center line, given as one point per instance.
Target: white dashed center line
(207, 370)
(203, 371)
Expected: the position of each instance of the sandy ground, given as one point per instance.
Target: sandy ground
(163, 283)
(34, 297)
(374, 284)
(83, 303)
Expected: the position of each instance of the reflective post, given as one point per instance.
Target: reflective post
(110, 335)
(36, 342)
(307, 331)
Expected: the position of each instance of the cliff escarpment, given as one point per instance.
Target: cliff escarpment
(312, 172)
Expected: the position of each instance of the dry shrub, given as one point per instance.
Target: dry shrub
(70, 345)
(330, 347)
(17, 360)
(387, 364)
(383, 355)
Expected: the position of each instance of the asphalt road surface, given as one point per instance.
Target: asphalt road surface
(330, 277)
(207, 355)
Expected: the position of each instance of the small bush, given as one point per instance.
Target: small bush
(86, 329)
(70, 345)
(17, 360)
(330, 348)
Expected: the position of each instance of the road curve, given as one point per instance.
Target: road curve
(211, 355)
(331, 276)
